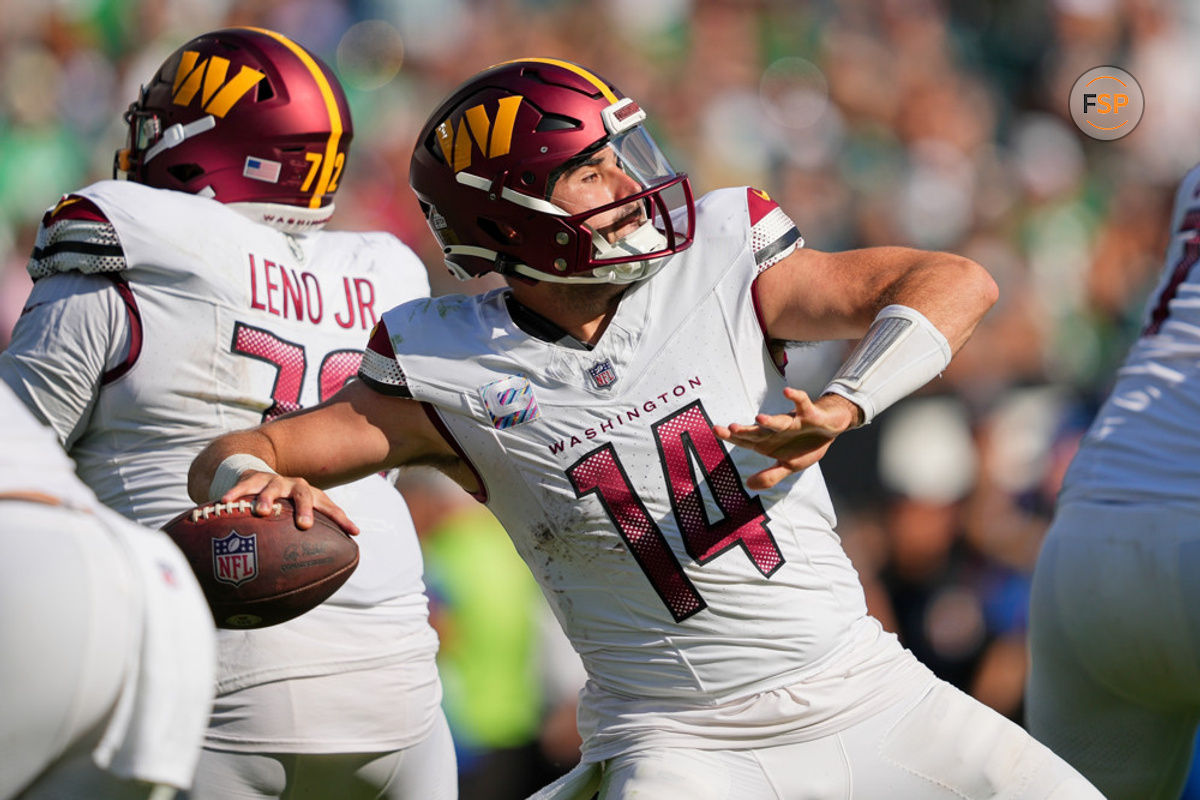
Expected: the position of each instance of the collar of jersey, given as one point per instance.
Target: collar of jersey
(537, 326)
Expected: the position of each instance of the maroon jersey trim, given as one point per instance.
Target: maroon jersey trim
(135, 329)
(434, 415)
(74, 207)
(775, 348)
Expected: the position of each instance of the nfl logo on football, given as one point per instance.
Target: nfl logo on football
(602, 373)
(235, 558)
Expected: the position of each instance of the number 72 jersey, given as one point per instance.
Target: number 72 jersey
(670, 577)
(159, 320)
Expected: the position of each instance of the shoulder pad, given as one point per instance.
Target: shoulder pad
(75, 236)
(773, 234)
(379, 367)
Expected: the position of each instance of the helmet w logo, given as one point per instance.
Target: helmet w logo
(218, 94)
(493, 138)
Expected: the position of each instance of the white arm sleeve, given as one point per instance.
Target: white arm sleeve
(74, 329)
(901, 352)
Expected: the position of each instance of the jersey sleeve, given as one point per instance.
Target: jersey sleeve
(773, 234)
(379, 368)
(75, 236)
(76, 332)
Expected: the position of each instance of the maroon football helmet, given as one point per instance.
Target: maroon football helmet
(247, 116)
(486, 161)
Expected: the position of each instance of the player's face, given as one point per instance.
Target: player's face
(598, 181)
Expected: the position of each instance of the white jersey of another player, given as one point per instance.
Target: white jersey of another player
(673, 582)
(1143, 444)
(106, 651)
(1114, 684)
(33, 458)
(159, 320)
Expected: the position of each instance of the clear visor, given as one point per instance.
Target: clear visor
(651, 217)
(144, 129)
(654, 219)
(638, 154)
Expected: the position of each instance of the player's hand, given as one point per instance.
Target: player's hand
(264, 488)
(796, 440)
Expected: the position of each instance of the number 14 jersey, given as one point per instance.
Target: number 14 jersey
(671, 579)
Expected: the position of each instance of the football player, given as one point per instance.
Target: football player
(106, 650)
(202, 295)
(1114, 683)
(693, 565)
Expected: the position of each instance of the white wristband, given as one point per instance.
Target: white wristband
(900, 353)
(230, 471)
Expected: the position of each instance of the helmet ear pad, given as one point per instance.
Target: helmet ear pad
(487, 159)
(244, 115)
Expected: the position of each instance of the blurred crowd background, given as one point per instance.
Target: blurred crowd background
(934, 123)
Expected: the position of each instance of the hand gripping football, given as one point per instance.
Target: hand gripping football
(260, 571)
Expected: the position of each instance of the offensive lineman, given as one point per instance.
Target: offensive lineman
(106, 649)
(202, 296)
(1114, 681)
(724, 632)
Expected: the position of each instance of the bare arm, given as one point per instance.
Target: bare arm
(356, 432)
(815, 296)
(811, 296)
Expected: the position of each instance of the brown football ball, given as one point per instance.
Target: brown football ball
(260, 571)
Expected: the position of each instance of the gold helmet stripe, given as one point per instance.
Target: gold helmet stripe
(335, 116)
(578, 70)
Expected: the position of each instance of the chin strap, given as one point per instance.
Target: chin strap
(646, 239)
(177, 134)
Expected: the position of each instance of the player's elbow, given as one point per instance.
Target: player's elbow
(978, 291)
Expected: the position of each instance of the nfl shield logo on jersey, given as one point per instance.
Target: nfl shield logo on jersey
(235, 558)
(602, 373)
(510, 401)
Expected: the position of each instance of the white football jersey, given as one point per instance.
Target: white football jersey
(1143, 445)
(170, 319)
(34, 460)
(670, 578)
(145, 680)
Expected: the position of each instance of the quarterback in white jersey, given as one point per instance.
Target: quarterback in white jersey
(1114, 684)
(723, 629)
(162, 317)
(106, 650)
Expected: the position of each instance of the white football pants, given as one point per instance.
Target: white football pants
(424, 771)
(1114, 684)
(73, 638)
(938, 744)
